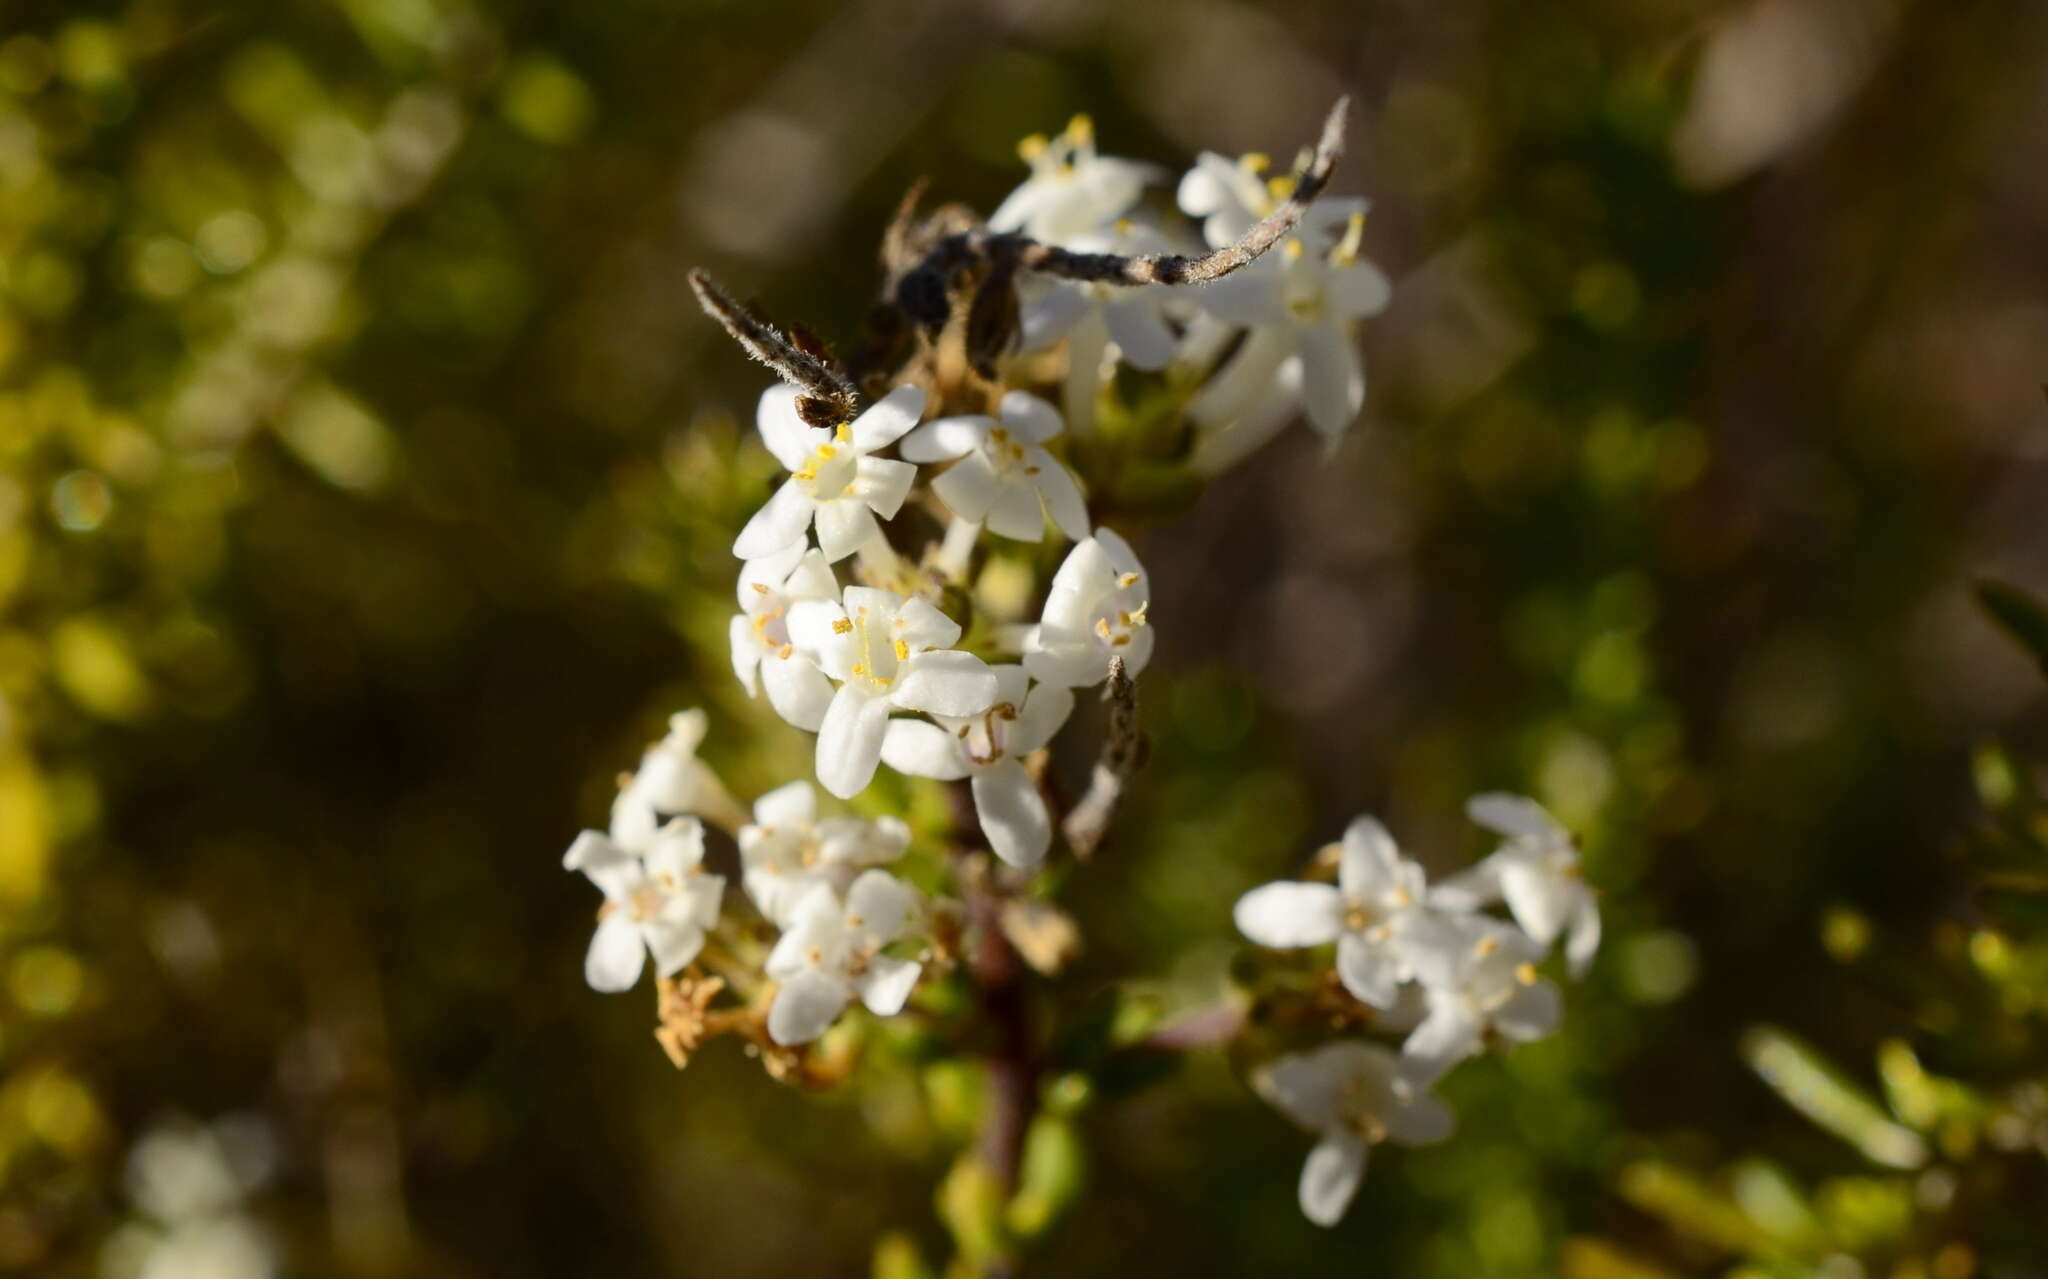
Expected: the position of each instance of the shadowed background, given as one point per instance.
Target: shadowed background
(370, 477)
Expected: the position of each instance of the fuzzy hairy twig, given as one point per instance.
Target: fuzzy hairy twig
(1122, 755)
(773, 347)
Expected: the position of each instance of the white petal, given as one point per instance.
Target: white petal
(797, 690)
(818, 627)
(790, 804)
(1049, 316)
(945, 682)
(1370, 858)
(1070, 665)
(806, 1007)
(616, 955)
(1061, 494)
(918, 748)
(883, 483)
(674, 943)
(1139, 332)
(1369, 972)
(1446, 1037)
(845, 524)
(746, 652)
(1045, 711)
(881, 902)
(1017, 512)
(1332, 378)
(1583, 941)
(1012, 814)
(1540, 901)
(677, 849)
(1358, 289)
(969, 486)
(1331, 1177)
(778, 524)
(1422, 1121)
(1515, 816)
(850, 741)
(761, 578)
(888, 418)
(1287, 915)
(922, 626)
(782, 430)
(943, 439)
(1137, 654)
(1029, 419)
(811, 578)
(1534, 1012)
(887, 984)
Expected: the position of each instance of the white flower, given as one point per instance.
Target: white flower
(1092, 315)
(1536, 872)
(762, 654)
(787, 851)
(1374, 913)
(887, 652)
(989, 748)
(656, 900)
(1072, 190)
(1094, 610)
(833, 952)
(833, 481)
(670, 781)
(1480, 981)
(1354, 1095)
(1300, 304)
(1004, 477)
(1232, 196)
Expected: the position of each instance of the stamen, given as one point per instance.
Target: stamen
(1346, 252)
(1486, 946)
(1255, 162)
(842, 626)
(1127, 581)
(902, 651)
(1294, 250)
(1526, 974)
(1030, 148)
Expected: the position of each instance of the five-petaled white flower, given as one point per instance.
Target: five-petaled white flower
(887, 652)
(1374, 913)
(1003, 476)
(833, 479)
(762, 654)
(1299, 303)
(787, 850)
(657, 899)
(1072, 190)
(1480, 980)
(989, 748)
(1536, 872)
(1095, 610)
(1354, 1096)
(833, 952)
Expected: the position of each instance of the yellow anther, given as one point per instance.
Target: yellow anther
(1255, 162)
(999, 435)
(759, 588)
(1138, 617)
(842, 434)
(1102, 627)
(809, 472)
(1486, 946)
(1526, 974)
(855, 921)
(859, 669)
(1346, 251)
(902, 651)
(1081, 130)
(1126, 581)
(1124, 226)
(1029, 149)
(1278, 189)
(842, 626)
(1294, 250)
(785, 651)
(1031, 470)
(827, 451)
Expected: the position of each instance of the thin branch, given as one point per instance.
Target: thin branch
(1122, 755)
(768, 343)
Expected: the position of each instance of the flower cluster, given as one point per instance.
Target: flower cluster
(866, 618)
(1428, 962)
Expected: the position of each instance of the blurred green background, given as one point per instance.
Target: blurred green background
(367, 477)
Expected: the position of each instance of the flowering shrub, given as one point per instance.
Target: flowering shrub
(864, 621)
